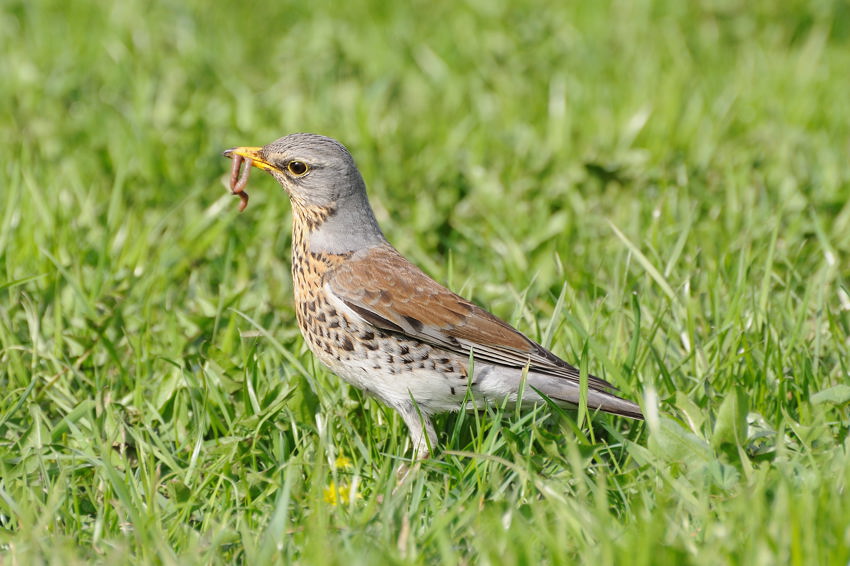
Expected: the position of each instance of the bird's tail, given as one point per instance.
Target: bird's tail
(567, 392)
(495, 383)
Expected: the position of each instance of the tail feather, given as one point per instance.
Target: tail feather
(568, 392)
(498, 382)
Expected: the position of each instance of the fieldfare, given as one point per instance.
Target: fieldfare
(379, 322)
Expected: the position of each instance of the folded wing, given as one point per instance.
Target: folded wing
(388, 291)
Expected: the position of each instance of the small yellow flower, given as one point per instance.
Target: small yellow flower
(336, 495)
(342, 463)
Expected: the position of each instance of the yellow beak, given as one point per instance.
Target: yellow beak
(252, 153)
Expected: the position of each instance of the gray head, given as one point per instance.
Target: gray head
(318, 173)
(314, 170)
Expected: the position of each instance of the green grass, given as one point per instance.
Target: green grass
(656, 189)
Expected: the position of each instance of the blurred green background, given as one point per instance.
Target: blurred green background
(656, 189)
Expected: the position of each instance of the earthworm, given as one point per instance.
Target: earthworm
(237, 182)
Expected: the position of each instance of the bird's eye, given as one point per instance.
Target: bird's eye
(297, 168)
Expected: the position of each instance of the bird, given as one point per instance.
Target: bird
(383, 325)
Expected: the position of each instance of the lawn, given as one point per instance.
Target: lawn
(655, 190)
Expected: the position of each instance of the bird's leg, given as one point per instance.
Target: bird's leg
(422, 437)
(422, 434)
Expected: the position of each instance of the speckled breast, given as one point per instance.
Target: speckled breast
(385, 364)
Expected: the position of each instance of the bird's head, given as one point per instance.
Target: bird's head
(314, 170)
(322, 181)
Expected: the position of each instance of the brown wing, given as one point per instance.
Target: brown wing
(393, 294)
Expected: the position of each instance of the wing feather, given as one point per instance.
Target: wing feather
(388, 291)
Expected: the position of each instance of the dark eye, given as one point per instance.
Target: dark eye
(297, 168)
